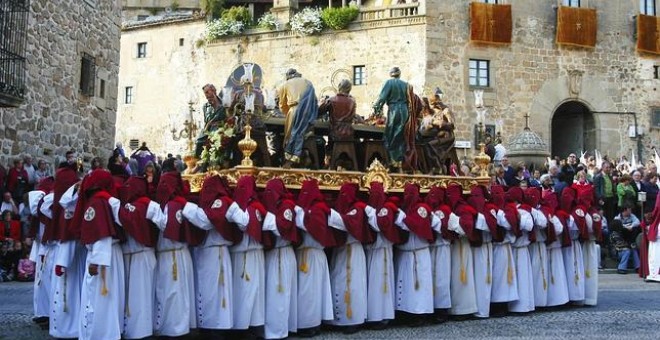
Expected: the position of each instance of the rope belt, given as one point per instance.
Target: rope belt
(175, 269)
(347, 293)
(461, 255)
(587, 272)
(545, 283)
(304, 267)
(385, 273)
(127, 310)
(575, 266)
(489, 250)
(104, 287)
(509, 267)
(415, 270)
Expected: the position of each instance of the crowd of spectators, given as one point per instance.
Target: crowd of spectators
(16, 181)
(617, 186)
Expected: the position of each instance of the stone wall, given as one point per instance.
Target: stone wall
(56, 117)
(530, 75)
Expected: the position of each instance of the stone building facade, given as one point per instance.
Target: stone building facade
(71, 75)
(571, 94)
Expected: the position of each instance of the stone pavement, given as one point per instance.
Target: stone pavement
(627, 308)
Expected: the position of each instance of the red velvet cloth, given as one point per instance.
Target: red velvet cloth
(418, 214)
(316, 211)
(133, 217)
(564, 218)
(353, 215)
(178, 228)
(65, 179)
(285, 218)
(97, 222)
(214, 199)
(95, 181)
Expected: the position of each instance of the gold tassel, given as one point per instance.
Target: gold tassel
(385, 273)
(509, 267)
(104, 288)
(127, 310)
(303, 263)
(245, 275)
(415, 270)
(587, 272)
(433, 274)
(347, 293)
(488, 251)
(552, 274)
(175, 271)
(66, 309)
(545, 282)
(221, 275)
(280, 289)
(575, 266)
(463, 272)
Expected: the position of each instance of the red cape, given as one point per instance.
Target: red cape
(97, 221)
(134, 220)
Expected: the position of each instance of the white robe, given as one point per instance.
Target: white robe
(463, 293)
(175, 291)
(574, 264)
(281, 285)
(348, 278)
(102, 297)
(539, 256)
(65, 303)
(557, 286)
(654, 260)
(213, 274)
(40, 254)
(140, 268)
(412, 264)
(483, 268)
(441, 262)
(505, 282)
(591, 258)
(249, 276)
(314, 291)
(71, 255)
(525, 302)
(380, 273)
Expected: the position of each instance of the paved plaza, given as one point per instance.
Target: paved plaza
(628, 308)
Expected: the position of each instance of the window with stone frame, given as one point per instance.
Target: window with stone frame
(647, 7)
(87, 74)
(13, 41)
(479, 73)
(142, 50)
(655, 117)
(128, 95)
(359, 75)
(571, 3)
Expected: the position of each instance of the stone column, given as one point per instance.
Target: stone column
(283, 9)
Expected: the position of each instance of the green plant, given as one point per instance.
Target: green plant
(338, 18)
(200, 43)
(153, 10)
(174, 5)
(269, 21)
(222, 27)
(212, 8)
(307, 22)
(238, 13)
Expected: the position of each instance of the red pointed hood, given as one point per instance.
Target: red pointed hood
(309, 194)
(46, 184)
(347, 197)
(567, 200)
(585, 196)
(532, 197)
(274, 192)
(97, 180)
(213, 188)
(477, 198)
(436, 197)
(377, 196)
(169, 185)
(133, 188)
(497, 195)
(514, 195)
(410, 196)
(454, 195)
(246, 191)
(550, 201)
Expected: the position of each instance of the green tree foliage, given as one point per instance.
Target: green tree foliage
(238, 13)
(338, 18)
(213, 8)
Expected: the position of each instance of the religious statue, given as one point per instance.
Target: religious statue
(214, 115)
(341, 113)
(297, 100)
(400, 130)
(437, 134)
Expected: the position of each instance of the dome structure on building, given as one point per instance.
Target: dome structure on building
(528, 147)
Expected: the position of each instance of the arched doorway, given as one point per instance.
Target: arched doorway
(573, 129)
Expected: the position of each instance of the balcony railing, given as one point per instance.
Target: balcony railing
(13, 37)
(390, 12)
